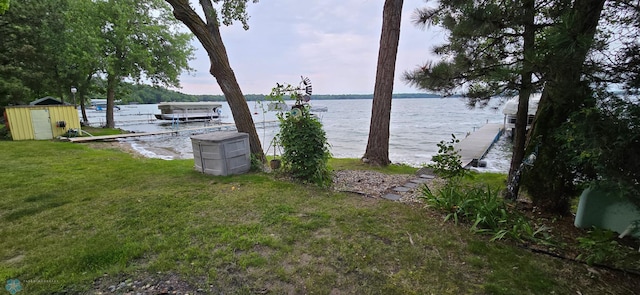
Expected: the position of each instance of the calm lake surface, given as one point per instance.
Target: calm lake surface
(417, 126)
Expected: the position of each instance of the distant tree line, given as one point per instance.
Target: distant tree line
(147, 94)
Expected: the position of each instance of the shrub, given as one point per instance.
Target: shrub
(4, 133)
(600, 145)
(447, 163)
(599, 246)
(256, 164)
(306, 150)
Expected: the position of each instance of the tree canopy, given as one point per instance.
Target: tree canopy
(4, 5)
(490, 51)
(30, 50)
(50, 45)
(140, 41)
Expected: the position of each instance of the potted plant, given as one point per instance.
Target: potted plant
(275, 163)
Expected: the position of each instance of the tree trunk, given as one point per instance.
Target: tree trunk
(377, 152)
(209, 35)
(111, 94)
(522, 115)
(82, 91)
(83, 109)
(550, 181)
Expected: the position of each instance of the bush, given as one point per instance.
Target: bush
(256, 164)
(306, 150)
(599, 246)
(447, 163)
(4, 133)
(600, 145)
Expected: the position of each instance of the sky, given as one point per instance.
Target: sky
(333, 42)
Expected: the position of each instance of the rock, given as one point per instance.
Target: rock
(392, 197)
(401, 189)
(419, 180)
(427, 176)
(411, 185)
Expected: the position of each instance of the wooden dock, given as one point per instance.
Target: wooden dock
(476, 145)
(217, 127)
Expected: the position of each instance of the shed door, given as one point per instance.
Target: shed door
(41, 124)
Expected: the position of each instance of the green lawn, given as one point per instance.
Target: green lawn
(70, 214)
(96, 131)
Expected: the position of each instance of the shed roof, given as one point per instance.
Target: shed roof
(47, 100)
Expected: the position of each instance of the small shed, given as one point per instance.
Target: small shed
(41, 121)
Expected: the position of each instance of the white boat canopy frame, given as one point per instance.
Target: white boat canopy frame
(510, 112)
(188, 111)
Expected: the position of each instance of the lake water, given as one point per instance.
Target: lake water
(417, 126)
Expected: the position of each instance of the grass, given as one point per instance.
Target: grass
(356, 164)
(70, 214)
(496, 181)
(98, 131)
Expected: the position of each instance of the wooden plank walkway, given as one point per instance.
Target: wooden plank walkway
(216, 127)
(475, 146)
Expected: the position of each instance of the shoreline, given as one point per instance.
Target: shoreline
(496, 153)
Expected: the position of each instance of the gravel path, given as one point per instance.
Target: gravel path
(405, 187)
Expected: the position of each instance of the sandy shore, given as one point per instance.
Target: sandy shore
(138, 151)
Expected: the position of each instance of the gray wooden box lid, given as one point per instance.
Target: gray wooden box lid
(219, 136)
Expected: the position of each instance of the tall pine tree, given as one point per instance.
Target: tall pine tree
(377, 152)
(491, 51)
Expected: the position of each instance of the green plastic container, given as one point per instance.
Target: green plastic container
(607, 210)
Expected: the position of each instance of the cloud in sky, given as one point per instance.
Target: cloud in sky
(333, 42)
